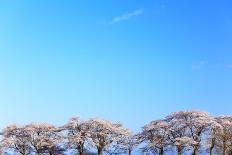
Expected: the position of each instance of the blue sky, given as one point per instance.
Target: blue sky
(122, 60)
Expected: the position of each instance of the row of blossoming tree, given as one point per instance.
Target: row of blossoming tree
(184, 132)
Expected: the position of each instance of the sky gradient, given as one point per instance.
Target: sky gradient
(122, 60)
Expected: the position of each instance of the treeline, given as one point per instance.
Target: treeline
(183, 132)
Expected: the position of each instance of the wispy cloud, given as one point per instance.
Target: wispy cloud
(216, 65)
(229, 66)
(199, 65)
(125, 16)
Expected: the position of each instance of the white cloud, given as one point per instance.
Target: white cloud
(126, 16)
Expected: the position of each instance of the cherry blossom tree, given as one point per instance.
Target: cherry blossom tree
(44, 138)
(177, 134)
(128, 143)
(77, 134)
(154, 137)
(125, 145)
(15, 139)
(183, 143)
(224, 136)
(104, 133)
(212, 136)
(184, 131)
(191, 124)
